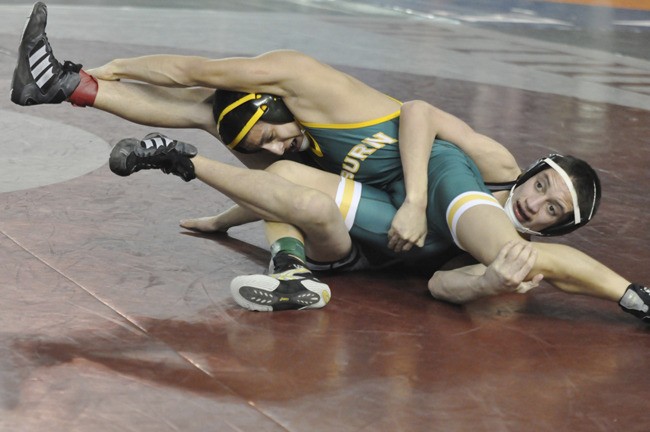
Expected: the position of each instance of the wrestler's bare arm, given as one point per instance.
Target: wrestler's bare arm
(494, 161)
(506, 273)
(313, 91)
(484, 230)
(263, 73)
(420, 124)
(409, 225)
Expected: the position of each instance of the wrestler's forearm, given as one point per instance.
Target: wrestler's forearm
(460, 285)
(563, 266)
(162, 70)
(187, 71)
(271, 73)
(416, 137)
(572, 271)
(493, 160)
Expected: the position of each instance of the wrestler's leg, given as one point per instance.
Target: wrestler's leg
(295, 215)
(289, 284)
(236, 215)
(39, 78)
(222, 222)
(274, 198)
(158, 106)
(300, 222)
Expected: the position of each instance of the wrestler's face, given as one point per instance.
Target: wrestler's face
(542, 201)
(275, 138)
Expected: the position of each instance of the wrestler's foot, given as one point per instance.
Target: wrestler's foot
(39, 78)
(290, 287)
(155, 151)
(636, 301)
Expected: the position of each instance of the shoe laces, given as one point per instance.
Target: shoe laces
(69, 66)
(296, 273)
(59, 69)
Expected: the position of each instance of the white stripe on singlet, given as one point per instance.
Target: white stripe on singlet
(463, 202)
(348, 196)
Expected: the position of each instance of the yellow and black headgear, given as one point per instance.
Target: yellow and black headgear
(237, 112)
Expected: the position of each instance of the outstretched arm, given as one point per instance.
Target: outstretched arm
(265, 73)
(505, 274)
(313, 91)
(484, 230)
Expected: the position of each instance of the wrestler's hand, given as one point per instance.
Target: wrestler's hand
(507, 272)
(106, 72)
(409, 227)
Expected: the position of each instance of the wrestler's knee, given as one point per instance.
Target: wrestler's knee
(313, 208)
(287, 169)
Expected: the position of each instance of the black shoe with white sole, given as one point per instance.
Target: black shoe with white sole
(155, 151)
(636, 301)
(295, 288)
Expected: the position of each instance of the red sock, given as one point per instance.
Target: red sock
(86, 91)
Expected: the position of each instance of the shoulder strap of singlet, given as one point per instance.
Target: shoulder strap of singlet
(357, 125)
(496, 187)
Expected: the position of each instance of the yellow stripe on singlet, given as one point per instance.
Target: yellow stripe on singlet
(464, 202)
(352, 125)
(356, 125)
(346, 201)
(348, 195)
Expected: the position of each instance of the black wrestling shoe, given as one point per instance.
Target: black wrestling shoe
(39, 78)
(294, 288)
(155, 151)
(636, 301)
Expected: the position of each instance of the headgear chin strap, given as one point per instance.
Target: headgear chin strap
(511, 214)
(579, 218)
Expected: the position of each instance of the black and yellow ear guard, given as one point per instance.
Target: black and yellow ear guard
(237, 112)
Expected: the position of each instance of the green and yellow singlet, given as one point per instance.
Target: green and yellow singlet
(367, 152)
(367, 156)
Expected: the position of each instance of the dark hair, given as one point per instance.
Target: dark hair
(586, 182)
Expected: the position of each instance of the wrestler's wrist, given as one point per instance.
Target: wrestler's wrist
(416, 200)
(119, 68)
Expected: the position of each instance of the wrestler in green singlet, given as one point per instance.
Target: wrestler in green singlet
(361, 152)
